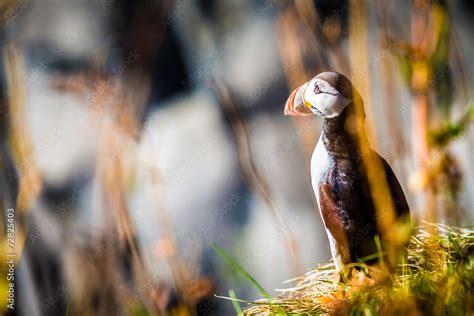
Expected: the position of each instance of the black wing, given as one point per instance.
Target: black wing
(398, 197)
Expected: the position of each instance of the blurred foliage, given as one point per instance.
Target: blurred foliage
(439, 60)
(452, 130)
(433, 75)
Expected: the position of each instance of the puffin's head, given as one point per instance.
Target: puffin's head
(327, 95)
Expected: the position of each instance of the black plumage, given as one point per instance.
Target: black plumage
(350, 192)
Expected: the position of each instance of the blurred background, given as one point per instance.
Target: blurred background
(137, 133)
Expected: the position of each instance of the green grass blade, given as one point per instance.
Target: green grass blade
(236, 304)
(371, 257)
(378, 244)
(231, 262)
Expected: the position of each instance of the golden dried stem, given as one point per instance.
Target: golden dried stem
(358, 53)
(419, 106)
(253, 177)
(20, 140)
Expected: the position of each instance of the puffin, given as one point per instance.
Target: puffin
(338, 176)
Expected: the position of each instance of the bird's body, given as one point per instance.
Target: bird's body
(342, 191)
(338, 175)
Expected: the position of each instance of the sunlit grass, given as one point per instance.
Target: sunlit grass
(436, 277)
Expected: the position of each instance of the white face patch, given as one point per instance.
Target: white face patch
(324, 98)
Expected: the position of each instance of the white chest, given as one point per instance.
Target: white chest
(321, 163)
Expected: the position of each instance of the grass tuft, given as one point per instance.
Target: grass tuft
(435, 277)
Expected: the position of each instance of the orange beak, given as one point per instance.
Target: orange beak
(295, 104)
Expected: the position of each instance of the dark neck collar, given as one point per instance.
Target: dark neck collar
(337, 140)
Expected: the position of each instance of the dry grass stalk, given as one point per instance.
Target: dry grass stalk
(358, 52)
(253, 177)
(435, 279)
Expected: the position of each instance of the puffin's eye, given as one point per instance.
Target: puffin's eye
(316, 88)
